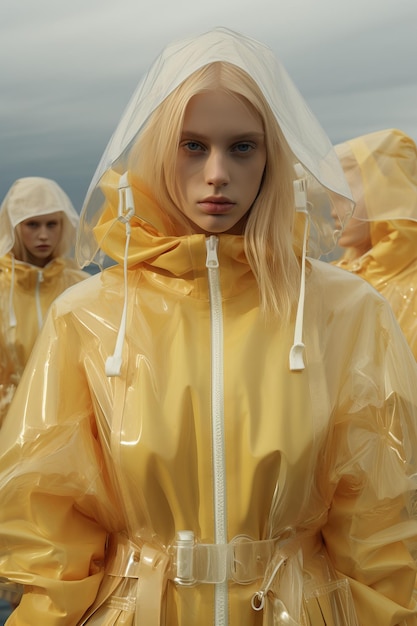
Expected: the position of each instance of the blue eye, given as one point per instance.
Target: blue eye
(243, 148)
(193, 146)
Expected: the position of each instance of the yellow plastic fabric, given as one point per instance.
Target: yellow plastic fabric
(29, 284)
(383, 169)
(330, 450)
(26, 291)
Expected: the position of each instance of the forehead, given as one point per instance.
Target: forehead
(221, 111)
(47, 217)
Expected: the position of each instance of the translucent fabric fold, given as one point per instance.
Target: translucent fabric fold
(330, 452)
(381, 168)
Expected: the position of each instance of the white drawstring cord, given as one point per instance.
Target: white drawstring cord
(297, 349)
(126, 210)
(12, 314)
(258, 598)
(287, 551)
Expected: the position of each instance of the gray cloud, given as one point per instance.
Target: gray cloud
(68, 69)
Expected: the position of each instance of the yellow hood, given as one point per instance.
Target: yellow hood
(382, 169)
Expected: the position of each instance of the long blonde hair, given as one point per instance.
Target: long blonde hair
(268, 233)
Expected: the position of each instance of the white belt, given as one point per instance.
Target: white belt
(242, 560)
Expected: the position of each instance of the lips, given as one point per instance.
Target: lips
(216, 206)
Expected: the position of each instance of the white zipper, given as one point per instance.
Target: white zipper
(217, 421)
(38, 298)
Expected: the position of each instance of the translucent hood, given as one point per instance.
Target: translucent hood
(306, 138)
(381, 168)
(31, 197)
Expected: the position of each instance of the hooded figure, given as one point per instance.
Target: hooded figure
(217, 430)
(31, 278)
(380, 241)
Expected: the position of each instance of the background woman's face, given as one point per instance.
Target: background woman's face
(357, 233)
(220, 164)
(40, 235)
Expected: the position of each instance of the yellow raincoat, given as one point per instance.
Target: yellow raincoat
(318, 463)
(209, 483)
(27, 291)
(384, 166)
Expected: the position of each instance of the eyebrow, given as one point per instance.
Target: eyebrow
(244, 135)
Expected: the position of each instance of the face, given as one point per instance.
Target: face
(40, 235)
(221, 160)
(357, 234)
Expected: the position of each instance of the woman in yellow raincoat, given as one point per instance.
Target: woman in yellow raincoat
(380, 241)
(218, 430)
(37, 233)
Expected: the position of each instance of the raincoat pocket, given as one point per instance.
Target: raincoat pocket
(330, 604)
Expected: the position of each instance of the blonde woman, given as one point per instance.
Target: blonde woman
(379, 243)
(234, 442)
(37, 235)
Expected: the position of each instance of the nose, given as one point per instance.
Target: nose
(43, 233)
(217, 171)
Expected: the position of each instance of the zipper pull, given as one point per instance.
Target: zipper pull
(212, 260)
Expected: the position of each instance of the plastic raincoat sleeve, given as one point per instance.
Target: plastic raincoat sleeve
(9, 377)
(59, 503)
(56, 500)
(371, 532)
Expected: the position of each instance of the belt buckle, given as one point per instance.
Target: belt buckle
(184, 558)
(246, 563)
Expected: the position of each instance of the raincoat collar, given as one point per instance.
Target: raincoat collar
(18, 275)
(26, 275)
(129, 234)
(178, 260)
(392, 253)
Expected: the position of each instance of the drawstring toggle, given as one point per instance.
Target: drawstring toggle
(297, 349)
(126, 210)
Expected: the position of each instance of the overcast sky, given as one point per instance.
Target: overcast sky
(68, 69)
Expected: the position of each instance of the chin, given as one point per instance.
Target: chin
(212, 229)
(222, 228)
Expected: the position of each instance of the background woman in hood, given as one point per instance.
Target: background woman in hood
(217, 430)
(380, 241)
(37, 235)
